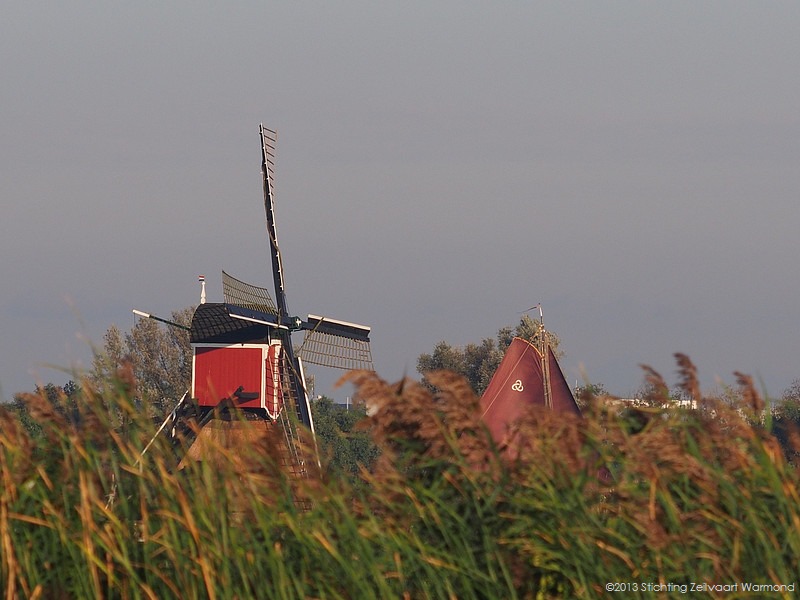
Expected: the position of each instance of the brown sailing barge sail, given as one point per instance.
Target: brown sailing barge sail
(527, 376)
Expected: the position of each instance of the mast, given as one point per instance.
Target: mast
(544, 347)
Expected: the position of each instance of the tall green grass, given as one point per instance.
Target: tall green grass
(694, 496)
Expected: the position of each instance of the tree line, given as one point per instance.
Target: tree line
(160, 358)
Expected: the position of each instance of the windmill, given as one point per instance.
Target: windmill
(243, 352)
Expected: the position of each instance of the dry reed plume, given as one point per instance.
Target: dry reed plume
(700, 495)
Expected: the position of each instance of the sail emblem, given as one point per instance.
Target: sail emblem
(517, 386)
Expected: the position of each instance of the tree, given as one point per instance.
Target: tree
(478, 362)
(64, 400)
(786, 422)
(585, 393)
(161, 357)
(792, 393)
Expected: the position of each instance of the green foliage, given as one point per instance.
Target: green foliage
(346, 448)
(592, 389)
(786, 422)
(696, 496)
(64, 400)
(587, 391)
(161, 357)
(478, 362)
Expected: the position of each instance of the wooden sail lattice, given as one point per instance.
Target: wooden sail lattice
(329, 350)
(246, 295)
(270, 141)
(289, 417)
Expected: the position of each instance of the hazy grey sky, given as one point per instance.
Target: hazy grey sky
(441, 167)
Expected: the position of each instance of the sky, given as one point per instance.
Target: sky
(441, 167)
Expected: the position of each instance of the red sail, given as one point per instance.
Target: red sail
(562, 398)
(518, 384)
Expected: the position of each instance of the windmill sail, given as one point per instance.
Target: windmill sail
(328, 342)
(332, 343)
(269, 139)
(523, 380)
(245, 295)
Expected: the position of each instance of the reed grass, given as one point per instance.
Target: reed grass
(692, 496)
